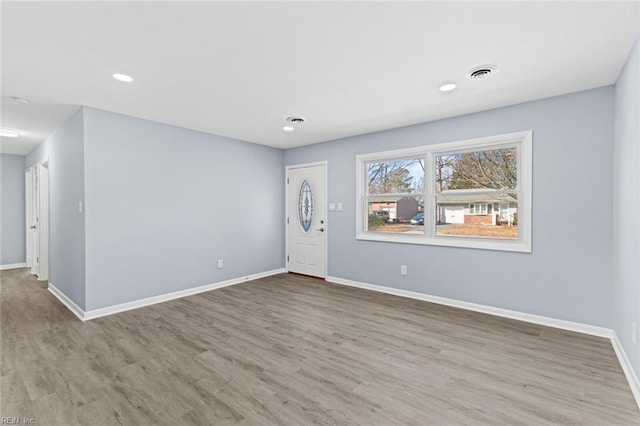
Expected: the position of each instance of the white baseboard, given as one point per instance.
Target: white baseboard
(70, 304)
(631, 375)
(506, 313)
(114, 309)
(109, 310)
(12, 266)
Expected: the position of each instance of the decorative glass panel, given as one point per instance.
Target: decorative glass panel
(305, 206)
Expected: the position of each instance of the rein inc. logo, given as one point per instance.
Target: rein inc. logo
(17, 420)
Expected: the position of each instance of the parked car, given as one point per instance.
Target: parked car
(418, 219)
(383, 215)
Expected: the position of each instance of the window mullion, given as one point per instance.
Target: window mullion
(429, 195)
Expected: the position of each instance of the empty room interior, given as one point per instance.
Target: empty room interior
(340, 213)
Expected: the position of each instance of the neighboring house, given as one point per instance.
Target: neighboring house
(400, 208)
(476, 206)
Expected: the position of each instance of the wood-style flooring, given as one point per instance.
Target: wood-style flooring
(292, 350)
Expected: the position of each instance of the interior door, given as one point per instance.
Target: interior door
(33, 232)
(28, 196)
(307, 219)
(37, 219)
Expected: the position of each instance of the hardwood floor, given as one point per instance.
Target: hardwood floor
(292, 350)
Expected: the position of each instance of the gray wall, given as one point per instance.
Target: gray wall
(568, 274)
(65, 151)
(164, 203)
(12, 228)
(626, 206)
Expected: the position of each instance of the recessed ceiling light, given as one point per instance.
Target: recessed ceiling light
(9, 133)
(22, 101)
(447, 87)
(123, 77)
(288, 128)
(294, 119)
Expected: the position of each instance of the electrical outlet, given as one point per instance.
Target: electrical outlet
(634, 333)
(220, 263)
(403, 269)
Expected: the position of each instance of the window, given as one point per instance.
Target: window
(394, 194)
(474, 193)
(480, 208)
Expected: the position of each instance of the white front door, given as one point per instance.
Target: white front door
(307, 219)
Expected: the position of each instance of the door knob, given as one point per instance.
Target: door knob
(32, 227)
(321, 229)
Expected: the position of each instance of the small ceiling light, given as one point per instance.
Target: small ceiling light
(447, 87)
(21, 101)
(288, 128)
(123, 77)
(9, 133)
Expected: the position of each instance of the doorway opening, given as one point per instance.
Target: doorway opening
(37, 219)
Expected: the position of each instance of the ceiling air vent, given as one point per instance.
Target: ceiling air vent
(482, 72)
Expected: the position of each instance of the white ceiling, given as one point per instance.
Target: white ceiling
(239, 69)
(36, 121)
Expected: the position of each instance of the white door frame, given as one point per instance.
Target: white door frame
(43, 221)
(323, 209)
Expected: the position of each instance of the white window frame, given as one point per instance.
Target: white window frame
(523, 141)
(381, 197)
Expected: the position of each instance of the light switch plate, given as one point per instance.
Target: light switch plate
(339, 207)
(332, 206)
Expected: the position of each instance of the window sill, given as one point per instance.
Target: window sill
(448, 241)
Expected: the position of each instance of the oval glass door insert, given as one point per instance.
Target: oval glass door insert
(305, 206)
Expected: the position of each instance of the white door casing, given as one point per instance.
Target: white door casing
(306, 222)
(43, 222)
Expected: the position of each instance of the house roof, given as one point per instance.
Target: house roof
(388, 198)
(460, 196)
(455, 196)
